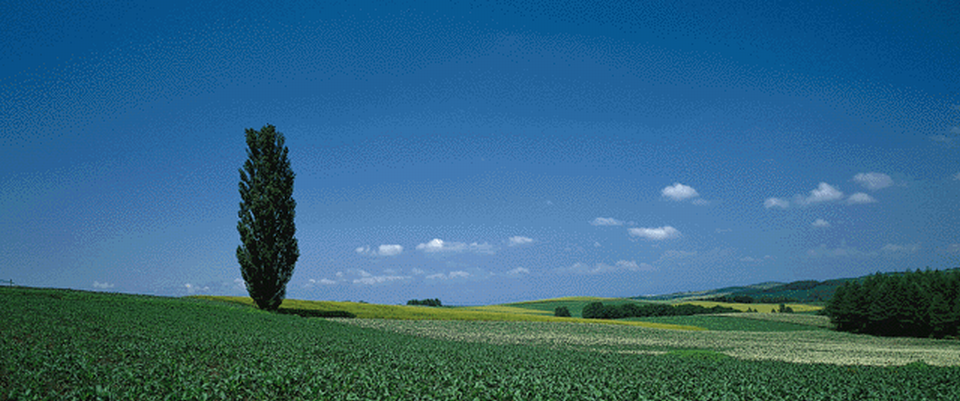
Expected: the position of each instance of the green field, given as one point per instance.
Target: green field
(62, 344)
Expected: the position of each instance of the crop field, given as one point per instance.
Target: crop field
(763, 308)
(573, 304)
(62, 344)
(402, 312)
(742, 322)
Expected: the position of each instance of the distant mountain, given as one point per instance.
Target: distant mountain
(804, 291)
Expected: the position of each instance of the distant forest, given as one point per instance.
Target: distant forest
(597, 310)
(914, 304)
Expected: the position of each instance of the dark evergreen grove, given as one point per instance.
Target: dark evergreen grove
(912, 304)
(269, 250)
(426, 302)
(597, 310)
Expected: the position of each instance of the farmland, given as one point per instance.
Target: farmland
(61, 344)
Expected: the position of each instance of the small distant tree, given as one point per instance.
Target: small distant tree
(268, 251)
(784, 309)
(561, 311)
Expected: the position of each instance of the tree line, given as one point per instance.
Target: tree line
(747, 299)
(913, 304)
(597, 310)
(425, 302)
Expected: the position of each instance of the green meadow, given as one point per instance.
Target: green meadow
(63, 344)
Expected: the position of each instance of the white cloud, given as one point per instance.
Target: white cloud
(325, 281)
(312, 283)
(606, 221)
(873, 181)
(596, 244)
(679, 192)
(390, 250)
(824, 193)
(894, 248)
(383, 250)
(371, 280)
(600, 268)
(701, 202)
(451, 275)
(437, 245)
(417, 271)
(751, 259)
(956, 176)
(97, 284)
(656, 234)
(943, 138)
(821, 223)
(776, 202)
(518, 271)
(518, 240)
(191, 289)
(860, 198)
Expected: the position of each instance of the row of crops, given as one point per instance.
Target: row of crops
(59, 344)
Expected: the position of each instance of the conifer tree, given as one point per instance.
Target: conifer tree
(269, 250)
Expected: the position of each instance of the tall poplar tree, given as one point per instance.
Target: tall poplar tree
(268, 251)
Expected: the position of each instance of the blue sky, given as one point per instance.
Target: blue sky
(482, 152)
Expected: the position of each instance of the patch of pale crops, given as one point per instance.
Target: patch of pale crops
(804, 319)
(818, 346)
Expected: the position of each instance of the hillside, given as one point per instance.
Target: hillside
(803, 291)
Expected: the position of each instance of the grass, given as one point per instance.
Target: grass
(74, 345)
(403, 312)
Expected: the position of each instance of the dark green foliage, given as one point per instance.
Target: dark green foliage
(593, 310)
(597, 310)
(747, 299)
(425, 302)
(917, 304)
(561, 311)
(315, 313)
(269, 250)
(784, 309)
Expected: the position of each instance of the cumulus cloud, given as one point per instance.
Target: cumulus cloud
(824, 193)
(606, 221)
(776, 202)
(191, 289)
(518, 240)
(371, 279)
(600, 268)
(417, 271)
(894, 248)
(313, 283)
(518, 271)
(438, 245)
(390, 250)
(821, 223)
(679, 192)
(449, 276)
(873, 181)
(655, 234)
(97, 284)
(860, 198)
(383, 250)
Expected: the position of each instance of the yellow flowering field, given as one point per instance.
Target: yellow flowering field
(762, 308)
